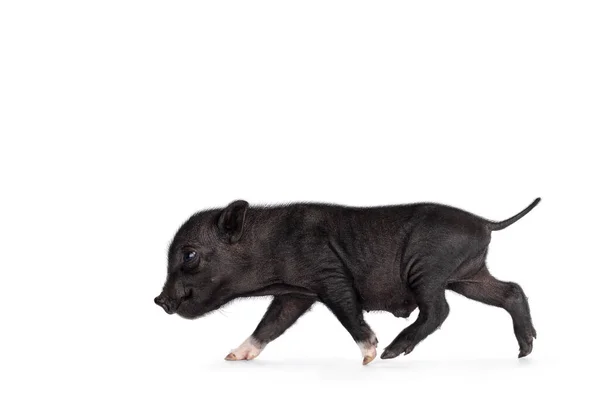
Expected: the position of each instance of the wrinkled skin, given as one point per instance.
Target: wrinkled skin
(394, 258)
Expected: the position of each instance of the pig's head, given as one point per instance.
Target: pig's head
(207, 262)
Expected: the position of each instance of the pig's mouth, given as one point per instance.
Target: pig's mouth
(186, 297)
(191, 308)
(189, 311)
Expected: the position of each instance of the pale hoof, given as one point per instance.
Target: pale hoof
(368, 359)
(368, 350)
(246, 351)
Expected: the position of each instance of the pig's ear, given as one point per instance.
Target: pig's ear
(231, 221)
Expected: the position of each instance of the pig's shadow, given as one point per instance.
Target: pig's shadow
(338, 368)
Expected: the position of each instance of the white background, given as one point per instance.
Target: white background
(119, 119)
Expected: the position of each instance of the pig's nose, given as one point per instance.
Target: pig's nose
(164, 303)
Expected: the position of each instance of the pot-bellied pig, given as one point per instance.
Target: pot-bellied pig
(351, 259)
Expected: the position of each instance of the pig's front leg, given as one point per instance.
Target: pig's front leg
(283, 311)
(340, 297)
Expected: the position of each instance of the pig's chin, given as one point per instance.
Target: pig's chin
(191, 309)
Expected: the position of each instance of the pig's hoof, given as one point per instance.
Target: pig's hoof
(524, 353)
(248, 350)
(526, 343)
(526, 349)
(368, 359)
(368, 350)
(387, 354)
(395, 351)
(241, 356)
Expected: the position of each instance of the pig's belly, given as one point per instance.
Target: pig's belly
(397, 300)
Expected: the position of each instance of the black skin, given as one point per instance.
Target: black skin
(392, 258)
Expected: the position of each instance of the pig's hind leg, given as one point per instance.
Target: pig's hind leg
(282, 313)
(485, 288)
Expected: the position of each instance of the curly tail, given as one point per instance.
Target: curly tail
(496, 226)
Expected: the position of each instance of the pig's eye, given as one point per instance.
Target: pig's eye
(189, 255)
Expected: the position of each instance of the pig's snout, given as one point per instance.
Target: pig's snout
(166, 303)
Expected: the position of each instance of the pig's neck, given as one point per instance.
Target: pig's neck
(263, 273)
